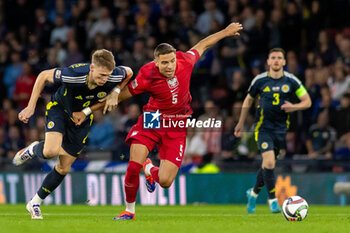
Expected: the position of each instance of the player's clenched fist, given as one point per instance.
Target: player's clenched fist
(78, 117)
(25, 114)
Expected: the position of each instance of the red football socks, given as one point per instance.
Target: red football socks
(155, 173)
(132, 181)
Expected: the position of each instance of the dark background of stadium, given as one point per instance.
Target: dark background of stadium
(37, 35)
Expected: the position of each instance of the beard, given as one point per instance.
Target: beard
(276, 68)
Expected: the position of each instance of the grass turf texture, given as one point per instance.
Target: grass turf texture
(168, 219)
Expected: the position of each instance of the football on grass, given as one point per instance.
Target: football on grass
(295, 208)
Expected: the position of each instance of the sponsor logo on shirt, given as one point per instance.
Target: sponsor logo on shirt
(134, 133)
(179, 158)
(267, 89)
(89, 97)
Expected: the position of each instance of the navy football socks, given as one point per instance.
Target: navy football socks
(269, 180)
(38, 150)
(50, 183)
(259, 181)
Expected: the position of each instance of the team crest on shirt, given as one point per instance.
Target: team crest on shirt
(50, 125)
(101, 94)
(58, 74)
(173, 83)
(285, 88)
(264, 145)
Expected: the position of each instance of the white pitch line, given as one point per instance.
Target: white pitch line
(173, 215)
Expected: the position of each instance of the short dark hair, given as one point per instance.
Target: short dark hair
(163, 48)
(277, 50)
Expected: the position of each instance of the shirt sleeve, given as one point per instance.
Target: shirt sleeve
(57, 75)
(298, 87)
(301, 91)
(138, 85)
(191, 56)
(68, 75)
(253, 89)
(118, 74)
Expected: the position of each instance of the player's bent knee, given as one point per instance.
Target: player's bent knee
(50, 152)
(269, 164)
(62, 170)
(165, 183)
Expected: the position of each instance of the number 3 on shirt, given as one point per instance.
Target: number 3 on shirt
(277, 99)
(174, 99)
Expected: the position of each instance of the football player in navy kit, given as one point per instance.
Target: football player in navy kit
(276, 89)
(80, 86)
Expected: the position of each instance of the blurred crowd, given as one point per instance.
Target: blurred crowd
(37, 35)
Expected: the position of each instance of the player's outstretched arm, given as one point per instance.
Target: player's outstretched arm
(43, 77)
(247, 103)
(124, 94)
(231, 30)
(112, 99)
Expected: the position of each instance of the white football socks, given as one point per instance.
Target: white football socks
(148, 169)
(253, 193)
(130, 207)
(36, 200)
(272, 200)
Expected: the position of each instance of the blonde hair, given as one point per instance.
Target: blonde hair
(104, 58)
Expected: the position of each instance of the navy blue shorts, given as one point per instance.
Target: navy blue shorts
(271, 141)
(74, 137)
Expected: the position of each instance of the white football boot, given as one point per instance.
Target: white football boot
(34, 210)
(25, 154)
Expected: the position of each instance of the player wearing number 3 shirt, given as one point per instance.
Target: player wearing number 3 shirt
(276, 89)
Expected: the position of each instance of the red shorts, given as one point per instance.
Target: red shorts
(171, 142)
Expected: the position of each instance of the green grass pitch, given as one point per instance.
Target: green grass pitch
(168, 219)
